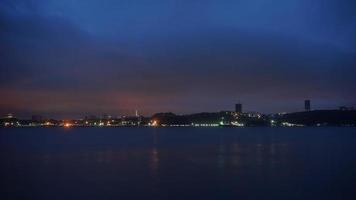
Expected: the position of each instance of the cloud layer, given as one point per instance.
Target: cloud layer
(65, 58)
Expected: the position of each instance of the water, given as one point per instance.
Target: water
(178, 163)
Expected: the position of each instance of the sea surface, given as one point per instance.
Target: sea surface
(177, 163)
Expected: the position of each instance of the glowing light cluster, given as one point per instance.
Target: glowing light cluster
(153, 123)
(67, 125)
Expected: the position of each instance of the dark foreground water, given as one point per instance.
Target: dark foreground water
(178, 163)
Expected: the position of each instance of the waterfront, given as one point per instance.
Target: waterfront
(178, 163)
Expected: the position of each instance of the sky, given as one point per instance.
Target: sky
(74, 58)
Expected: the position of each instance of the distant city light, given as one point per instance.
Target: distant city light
(237, 124)
(67, 125)
(154, 123)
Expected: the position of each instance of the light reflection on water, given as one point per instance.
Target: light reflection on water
(180, 163)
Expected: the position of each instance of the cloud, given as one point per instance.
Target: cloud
(50, 64)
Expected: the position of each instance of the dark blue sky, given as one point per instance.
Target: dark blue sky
(70, 58)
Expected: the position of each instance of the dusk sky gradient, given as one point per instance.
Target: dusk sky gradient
(74, 58)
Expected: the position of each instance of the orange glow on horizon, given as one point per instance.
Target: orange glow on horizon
(154, 123)
(67, 125)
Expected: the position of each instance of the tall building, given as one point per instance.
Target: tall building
(238, 108)
(307, 105)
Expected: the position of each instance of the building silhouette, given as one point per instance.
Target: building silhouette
(307, 105)
(238, 108)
